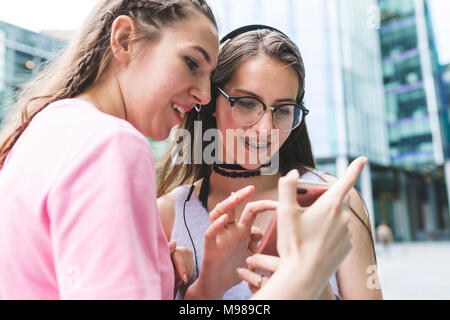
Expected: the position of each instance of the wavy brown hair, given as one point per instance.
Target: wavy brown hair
(89, 55)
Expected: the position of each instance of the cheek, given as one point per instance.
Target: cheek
(223, 115)
(148, 112)
(136, 88)
(225, 123)
(283, 137)
(278, 141)
(224, 120)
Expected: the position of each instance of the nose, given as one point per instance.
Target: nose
(201, 93)
(266, 122)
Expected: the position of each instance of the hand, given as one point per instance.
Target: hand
(327, 293)
(258, 261)
(228, 243)
(312, 242)
(183, 263)
(270, 264)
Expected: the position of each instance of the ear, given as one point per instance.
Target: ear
(123, 29)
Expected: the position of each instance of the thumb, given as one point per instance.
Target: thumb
(340, 189)
(172, 246)
(287, 189)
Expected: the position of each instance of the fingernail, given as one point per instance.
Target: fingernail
(240, 270)
(232, 197)
(293, 173)
(248, 260)
(172, 244)
(185, 278)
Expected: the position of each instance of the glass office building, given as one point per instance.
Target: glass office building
(441, 31)
(22, 52)
(444, 83)
(414, 89)
(405, 72)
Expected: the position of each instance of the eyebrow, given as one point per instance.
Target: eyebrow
(246, 92)
(203, 52)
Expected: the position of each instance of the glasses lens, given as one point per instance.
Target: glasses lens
(288, 117)
(247, 111)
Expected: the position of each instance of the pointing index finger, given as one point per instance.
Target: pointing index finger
(229, 204)
(348, 180)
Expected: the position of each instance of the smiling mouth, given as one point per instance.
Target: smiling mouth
(179, 109)
(255, 145)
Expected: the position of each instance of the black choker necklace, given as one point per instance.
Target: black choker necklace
(239, 171)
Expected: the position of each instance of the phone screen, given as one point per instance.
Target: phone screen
(307, 193)
(268, 244)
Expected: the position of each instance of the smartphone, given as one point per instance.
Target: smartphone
(268, 244)
(307, 193)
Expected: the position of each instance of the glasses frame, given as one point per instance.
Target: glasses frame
(233, 99)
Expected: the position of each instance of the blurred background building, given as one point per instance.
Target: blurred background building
(416, 204)
(22, 53)
(377, 84)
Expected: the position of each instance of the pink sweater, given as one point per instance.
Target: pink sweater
(78, 214)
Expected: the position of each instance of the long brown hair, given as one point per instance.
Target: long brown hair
(295, 152)
(89, 55)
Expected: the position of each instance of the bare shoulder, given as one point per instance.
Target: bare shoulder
(166, 209)
(352, 274)
(356, 201)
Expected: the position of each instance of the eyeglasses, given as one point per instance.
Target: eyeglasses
(248, 111)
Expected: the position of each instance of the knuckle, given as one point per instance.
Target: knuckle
(347, 199)
(249, 207)
(209, 235)
(183, 249)
(336, 204)
(348, 239)
(346, 217)
(350, 246)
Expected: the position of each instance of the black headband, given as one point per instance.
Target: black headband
(249, 28)
(252, 27)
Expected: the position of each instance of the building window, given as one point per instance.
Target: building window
(392, 11)
(399, 40)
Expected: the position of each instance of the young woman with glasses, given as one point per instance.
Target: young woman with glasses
(257, 94)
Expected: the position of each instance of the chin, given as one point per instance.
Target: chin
(262, 158)
(161, 136)
(251, 166)
(157, 135)
(253, 161)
